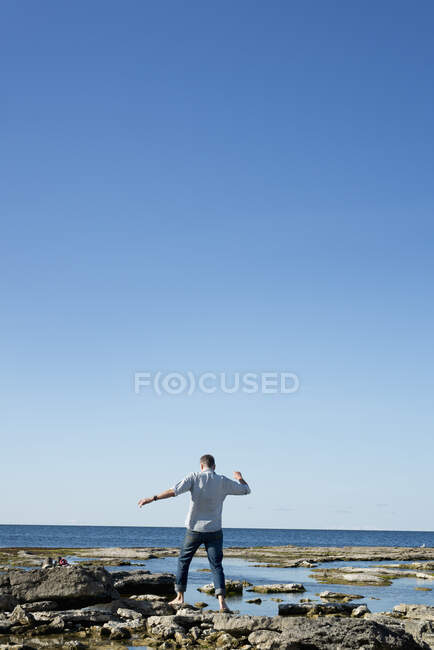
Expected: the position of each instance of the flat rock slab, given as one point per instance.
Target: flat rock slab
(143, 582)
(317, 609)
(333, 633)
(338, 595)
(232, 587)
(423, 612)
(278, 588)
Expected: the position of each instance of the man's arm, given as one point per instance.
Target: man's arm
(182, 486)
(164, 495)
(239, 486)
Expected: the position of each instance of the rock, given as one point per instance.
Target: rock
(117, 631)
(41, 606)
(255, 601)
(316, 609)
(7, 603)
(278, 588)
(424, 612)
(293, 609)
(164, 627)
(200, 604)
(129, 614)
(20, 617)
(207, 589)
(195, 632)
(143, 582)
(266, 640)
(342, 634)
(422, 631)
(5, 624)
(225, 641)
(232, 587)
(360, 611)
(69, 585)
(337, 595)
(244, 625)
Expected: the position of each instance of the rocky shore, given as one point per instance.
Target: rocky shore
(268, 556)
(89, 607)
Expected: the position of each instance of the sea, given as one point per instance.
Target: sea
(158, 536)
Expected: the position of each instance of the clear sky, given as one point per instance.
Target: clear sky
(217, 186)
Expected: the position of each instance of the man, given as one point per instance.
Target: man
(204, 522)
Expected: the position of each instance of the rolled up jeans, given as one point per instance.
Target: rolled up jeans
(214, 549)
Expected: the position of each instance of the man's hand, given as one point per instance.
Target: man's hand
(238, 476)
(144, 502)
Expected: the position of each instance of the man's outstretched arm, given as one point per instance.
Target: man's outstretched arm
(164, 495)
(239, 486)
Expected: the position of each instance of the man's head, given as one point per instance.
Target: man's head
(207, 462)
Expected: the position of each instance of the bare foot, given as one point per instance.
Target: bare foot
(179, 600)
(223, 605)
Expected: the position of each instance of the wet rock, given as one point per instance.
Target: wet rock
(254, 601)
(117, 631)
(5, 624)
(279, 588)
(232, 587)
(316, 609)
(336, 595)
(143, 582)
(7, 603)
(20, 617)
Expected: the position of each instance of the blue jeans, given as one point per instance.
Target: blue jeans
(214, 549)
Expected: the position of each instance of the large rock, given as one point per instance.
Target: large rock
(424, 612)
(7, 603)
(143, 582)
(70, 586)
(342, 633)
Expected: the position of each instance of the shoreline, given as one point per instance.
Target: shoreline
(88, 604)
(267, 556)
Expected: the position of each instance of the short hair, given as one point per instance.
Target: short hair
(208, 460)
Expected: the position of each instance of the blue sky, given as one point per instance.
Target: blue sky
(217, 187)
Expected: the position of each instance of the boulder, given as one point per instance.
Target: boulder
(7, 603)
(143, 582)
(342, 633)
(72, 585)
